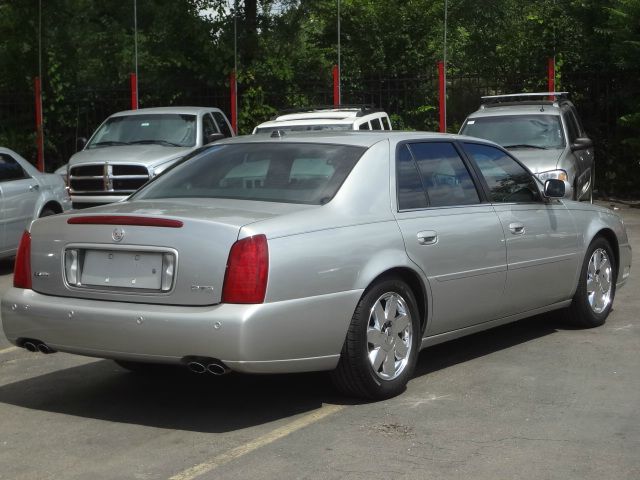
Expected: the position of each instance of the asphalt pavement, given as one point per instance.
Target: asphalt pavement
(530, 400)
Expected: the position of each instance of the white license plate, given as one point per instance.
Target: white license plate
(122, 269)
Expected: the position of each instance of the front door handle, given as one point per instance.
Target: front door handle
(35, 187)
(428, 237)
(516, 228)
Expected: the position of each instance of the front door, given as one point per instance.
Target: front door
(540, 236)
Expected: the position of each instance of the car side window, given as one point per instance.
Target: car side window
(410, 190)
(10, 169)
(208, 127)
(222, 124)
(364, 126)
(375, 124)
(508, 181)
(444, 174)
(385, 123)
(572, 127)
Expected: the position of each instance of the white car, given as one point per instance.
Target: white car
(312, 119)
(25, 194)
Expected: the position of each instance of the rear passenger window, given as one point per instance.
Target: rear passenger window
(508, 182)
(375, 124)
(385, 123)
(444, 174)
(410, 190)
(364, 126)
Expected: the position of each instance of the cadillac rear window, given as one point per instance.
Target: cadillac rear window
(274, 172)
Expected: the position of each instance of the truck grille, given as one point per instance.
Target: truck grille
(107, 178)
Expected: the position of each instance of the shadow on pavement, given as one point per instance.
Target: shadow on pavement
(178, 399)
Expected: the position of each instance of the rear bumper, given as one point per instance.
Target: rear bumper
(290, 336)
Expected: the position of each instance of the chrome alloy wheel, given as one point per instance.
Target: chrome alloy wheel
(599, 281)
(389, 335)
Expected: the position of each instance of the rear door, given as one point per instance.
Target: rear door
(540, 236)
(450, 234)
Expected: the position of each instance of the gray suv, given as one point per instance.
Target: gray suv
(543, 130)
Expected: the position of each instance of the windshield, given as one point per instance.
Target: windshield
(168, 129)
(518, 131)
(282, 172)
(304, 128)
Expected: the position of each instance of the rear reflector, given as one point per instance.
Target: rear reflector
(125, 220)
(22, 268)
(245, 280)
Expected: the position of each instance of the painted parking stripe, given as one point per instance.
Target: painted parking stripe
(259, 442)
(7, 350)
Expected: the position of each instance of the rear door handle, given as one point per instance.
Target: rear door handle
(428, 237)
(516, 228)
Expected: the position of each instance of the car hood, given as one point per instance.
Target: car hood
(538, 160)
(148, 155)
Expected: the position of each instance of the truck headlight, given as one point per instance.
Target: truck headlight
(555, 174)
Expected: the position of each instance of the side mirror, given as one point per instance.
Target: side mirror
(581, 143)
(212, 137)
(80, 143)
(554, 188)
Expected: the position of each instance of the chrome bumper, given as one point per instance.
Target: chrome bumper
(290, 336)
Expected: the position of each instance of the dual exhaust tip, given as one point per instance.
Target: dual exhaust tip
(204, 365)
(37, 346)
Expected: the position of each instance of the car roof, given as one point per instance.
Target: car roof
(334, 114)
(363, 138)
(161, 110)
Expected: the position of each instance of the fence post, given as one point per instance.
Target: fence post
(133, 81)
(234, 100)
(443, 98)
(551, 75)
(336, 86)
(39, 121)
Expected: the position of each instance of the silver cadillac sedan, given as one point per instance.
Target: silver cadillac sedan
(347, 252)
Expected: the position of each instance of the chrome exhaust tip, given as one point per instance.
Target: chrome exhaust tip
(44, 348)
(196, 367)
(30, 346)
(218, 368)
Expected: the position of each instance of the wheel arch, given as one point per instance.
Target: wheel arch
(51, 205)
(610, 236)
(415, 283)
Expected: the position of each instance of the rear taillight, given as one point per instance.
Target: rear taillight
(22, 269)
(245, 280)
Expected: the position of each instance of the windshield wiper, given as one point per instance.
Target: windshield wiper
(525, 145)
(155, 142)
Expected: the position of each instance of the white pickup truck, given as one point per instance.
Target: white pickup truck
(133, 146)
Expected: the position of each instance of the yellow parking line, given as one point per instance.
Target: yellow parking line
(7, 350)
(259, 442)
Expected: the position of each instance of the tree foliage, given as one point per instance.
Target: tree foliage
(286, 49)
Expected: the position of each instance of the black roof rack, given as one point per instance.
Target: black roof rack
(537, 98)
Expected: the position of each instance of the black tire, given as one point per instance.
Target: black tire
(593, 299)
(355, 374)
(46, 212)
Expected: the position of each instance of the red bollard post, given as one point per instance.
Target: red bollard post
(233, 86)
(551, 76)
(336, 86)
(443, 99)
(133, 80)
(39, 122)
